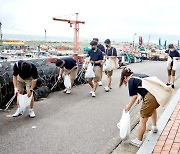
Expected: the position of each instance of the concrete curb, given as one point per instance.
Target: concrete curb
(151, 139)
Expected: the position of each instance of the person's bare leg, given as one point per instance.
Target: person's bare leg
(169, 79)
(95, 86)
(142, 128)
(109, 79)
(32, 103)
(173, 79)
(90, 83)
(72, 83)
(154, 118)
(101, 75)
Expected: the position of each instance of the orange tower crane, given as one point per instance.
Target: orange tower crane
(76, 29)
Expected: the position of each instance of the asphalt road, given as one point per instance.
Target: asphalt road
(75, 123)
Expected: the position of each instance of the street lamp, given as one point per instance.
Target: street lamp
(45, 35)
(133, 39)
(0, 31)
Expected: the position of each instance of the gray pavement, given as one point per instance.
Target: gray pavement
(75, 123)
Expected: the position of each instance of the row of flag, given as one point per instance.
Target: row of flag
(160, 45)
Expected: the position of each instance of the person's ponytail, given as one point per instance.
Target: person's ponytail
(125, 73)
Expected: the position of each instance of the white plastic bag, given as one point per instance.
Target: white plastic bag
(24, 101)
(67, 82)
(123, 59)
(108, 65)
(89, 72)
(169, 60)
(174, 63)
(124, 126)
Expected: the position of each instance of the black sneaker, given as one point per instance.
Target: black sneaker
(168, 84)
(172, 86)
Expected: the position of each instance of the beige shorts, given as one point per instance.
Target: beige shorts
(109, 73)
(73, 74)
(97, 72)
(22, 83)
(148, 106)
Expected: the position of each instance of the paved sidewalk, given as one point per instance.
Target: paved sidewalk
(169, 141)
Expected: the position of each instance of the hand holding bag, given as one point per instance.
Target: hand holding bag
(89, 72)
(67, 82)
(169, 61)
(108, 65)
(124, 126)
(24, 101)
(174, 63)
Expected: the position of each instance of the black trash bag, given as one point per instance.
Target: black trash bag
(41, 92)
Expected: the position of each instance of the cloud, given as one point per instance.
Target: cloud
(107, 19)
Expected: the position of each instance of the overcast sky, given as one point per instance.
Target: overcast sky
(103, 19)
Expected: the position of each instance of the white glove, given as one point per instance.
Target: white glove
(59, 77)
(15, 90)
(139, 99)
(84, 66)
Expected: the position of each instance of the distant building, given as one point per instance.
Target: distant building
(13, 44)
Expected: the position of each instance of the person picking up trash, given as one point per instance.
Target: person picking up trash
(149, 104)
(95, 59)
(68, 66)
(111, 55)
(173, 55)
(24, 74)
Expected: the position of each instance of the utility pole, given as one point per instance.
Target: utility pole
(133, 39)
(0, 31)
(45, 35)
(149, 40)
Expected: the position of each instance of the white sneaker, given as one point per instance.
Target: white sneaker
(136, 142)
(17, 113)
(107, 89)
(154, 129)
(91, 91)
(68, 91)
(93, 94)
(100, 83)
(31, 113)
(64, 91)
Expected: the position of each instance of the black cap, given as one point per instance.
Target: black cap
(58, 62)
(93, 42)
(96, 39)
(107, 41)
(171, 46)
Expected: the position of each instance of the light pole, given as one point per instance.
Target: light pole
(133, 39)
(45, 35)
(148, 44)
(0, 31)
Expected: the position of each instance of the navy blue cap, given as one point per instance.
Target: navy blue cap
(107, 41)
(96, 39)
(93, 42)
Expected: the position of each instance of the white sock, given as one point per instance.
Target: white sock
(154, 127)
